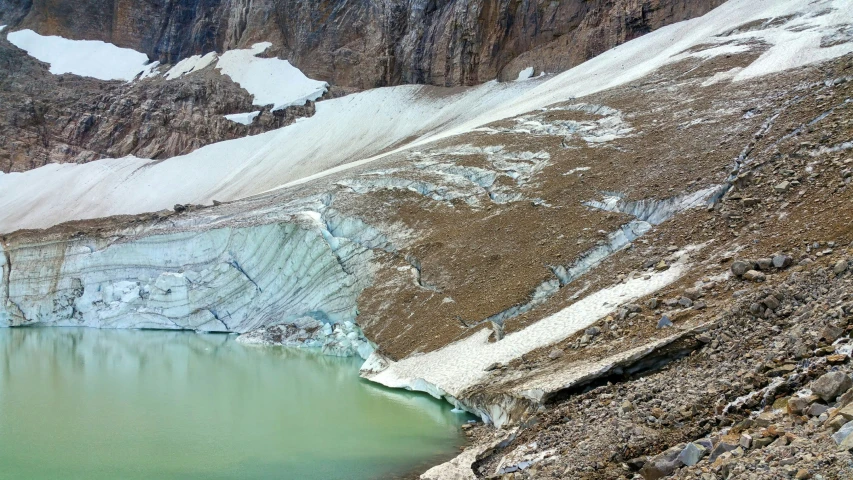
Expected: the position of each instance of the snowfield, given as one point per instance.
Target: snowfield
(191, 64)
(243, 118)
(269, 80)
(353, 130)
(87, 58)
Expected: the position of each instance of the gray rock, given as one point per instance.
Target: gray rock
(764, 263)
(756, 308)
(782, 261)
(830, 333)
(798, 405)
(782, 187)
(691, 454)
(633, 308)
(720, 449)
(705, 442)
(844, 436)
(740, 267)
(816, 410)
(664, 322)
(754, 276)
(555, 354)
(771, 302)
(637, 463)
(693, 293)
(829, 386)
(840, 267)
(653, 303)
(592, 331)
(659, 468)
(685, 302)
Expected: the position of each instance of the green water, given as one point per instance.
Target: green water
(103, 404)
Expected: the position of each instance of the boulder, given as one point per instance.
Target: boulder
(754, 276)
(740, 267)
(844, 436)
(782, 261)
(771, 302)
(764, 263)
(721, 448)
(829, 386)
(691, 454)
(693, 293)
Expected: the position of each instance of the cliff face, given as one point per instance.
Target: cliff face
(367, 43)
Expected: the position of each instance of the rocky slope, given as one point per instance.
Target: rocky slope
(367, 43)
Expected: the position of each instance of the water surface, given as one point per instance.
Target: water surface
(107, 404)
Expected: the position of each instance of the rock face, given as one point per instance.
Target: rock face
(50, 118)
(368, 43)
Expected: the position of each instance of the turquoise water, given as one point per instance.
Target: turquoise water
(107, 404)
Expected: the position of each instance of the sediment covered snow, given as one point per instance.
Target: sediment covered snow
(269, 80)
(243, 118)
(87, 58)
(359, 128)
(190, 64)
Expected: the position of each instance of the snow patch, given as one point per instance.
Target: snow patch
(2, 27)
(87, 58)
(525, 74)
(243, 118)
(269, 80)
(190, 64)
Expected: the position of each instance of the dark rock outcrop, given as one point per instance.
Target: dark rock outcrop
(367, 43)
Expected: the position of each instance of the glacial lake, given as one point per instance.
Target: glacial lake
(118, 404)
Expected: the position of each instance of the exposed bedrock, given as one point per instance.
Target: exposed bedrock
(221, 280)
(368, 43)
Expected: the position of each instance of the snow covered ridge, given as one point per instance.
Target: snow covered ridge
(87, 58)
(361, 128)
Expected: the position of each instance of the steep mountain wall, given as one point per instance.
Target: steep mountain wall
(367, 43)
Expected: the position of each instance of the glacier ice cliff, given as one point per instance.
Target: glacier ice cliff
(228, 279)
